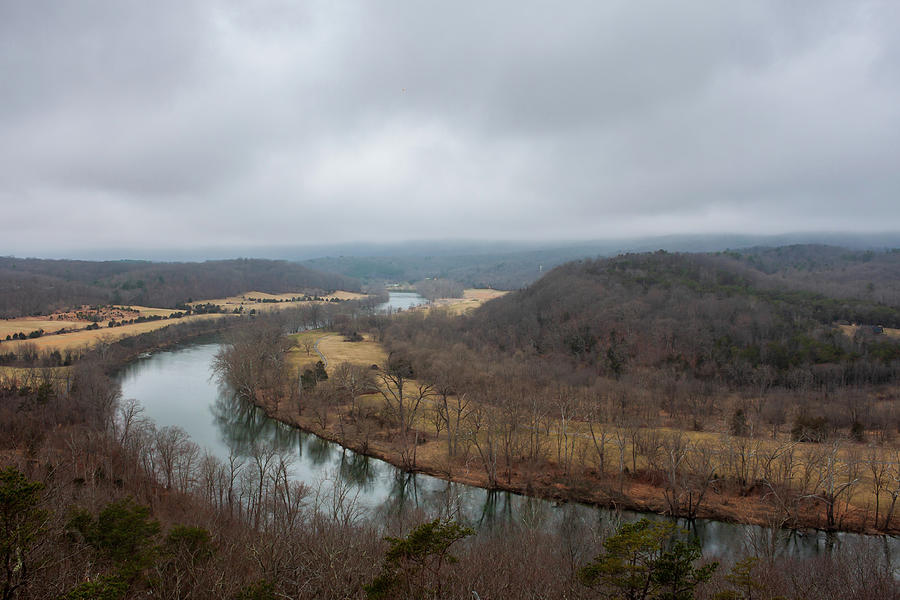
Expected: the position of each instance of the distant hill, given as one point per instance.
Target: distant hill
(728, 316)
(29, 286)
(511, 266)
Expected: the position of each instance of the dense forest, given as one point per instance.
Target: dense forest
(34, 286)
(705, 316)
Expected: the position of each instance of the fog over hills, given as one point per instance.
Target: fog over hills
(218, 129)
(475, 247)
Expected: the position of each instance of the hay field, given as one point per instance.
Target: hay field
(335, 350)
(472, 299)
(232, 302)
(850, 330)
(149, 311)
(81, 338)
(365, 353)
(28, 324)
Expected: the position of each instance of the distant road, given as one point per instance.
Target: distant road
(319, 352)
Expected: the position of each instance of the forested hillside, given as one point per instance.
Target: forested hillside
(720, 315)
(499, 271)
(512, 266)
(830, 270)
(29, 286)
(686, 339)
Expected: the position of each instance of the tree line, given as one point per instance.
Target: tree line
(31, 286)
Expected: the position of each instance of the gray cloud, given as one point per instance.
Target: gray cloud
(203, 124)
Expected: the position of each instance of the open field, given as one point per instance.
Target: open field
(84, 337)
(850, 330)
(335, 350)
(78, 336)
(365, 353)
(149, 311)
(28, 324)
(281, 300)
(472, 299)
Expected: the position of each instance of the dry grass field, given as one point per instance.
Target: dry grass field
(850, 330)
(365, 353)
(83, 337)
(334, 349)
(472, 299)
(149, 311)
(79, 337)
(239, 300)
(28, 324)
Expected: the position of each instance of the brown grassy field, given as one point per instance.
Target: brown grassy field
(472, 299)
(81, 338)
(335, 350)
(239, 300)
(28, 324)
(850, 330)
(149, 311)
(365, 353)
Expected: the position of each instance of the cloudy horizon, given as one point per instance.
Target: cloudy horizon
(217, 124)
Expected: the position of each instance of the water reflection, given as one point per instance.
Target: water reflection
(241, 426)
(175, 388)
(400, 301)
(319, 451)
(357, 470)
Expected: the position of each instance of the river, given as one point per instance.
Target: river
(177, 387)
(401, 301)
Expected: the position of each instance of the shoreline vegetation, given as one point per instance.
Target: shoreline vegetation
(689, 385)
(424, 453)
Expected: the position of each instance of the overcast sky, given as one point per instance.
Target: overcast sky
(201, 124)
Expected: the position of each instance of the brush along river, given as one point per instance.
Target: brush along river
(176, 387)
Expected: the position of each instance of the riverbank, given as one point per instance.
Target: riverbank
(546, 481)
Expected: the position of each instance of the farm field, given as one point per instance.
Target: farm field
(275, 301)
(472, 299)
(334, 349)
(88, 337)
(850, 330)
(78, 336)
(28, 324)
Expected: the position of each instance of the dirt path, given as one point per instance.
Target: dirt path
(319, 352)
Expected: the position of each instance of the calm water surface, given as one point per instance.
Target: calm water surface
(177, 387)
(401, 301)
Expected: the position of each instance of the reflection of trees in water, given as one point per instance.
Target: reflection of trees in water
(357, 469)
(447, 500)
(404, 493)
(534, 513)
(319, 450)
(241, 425)
(497, 509)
